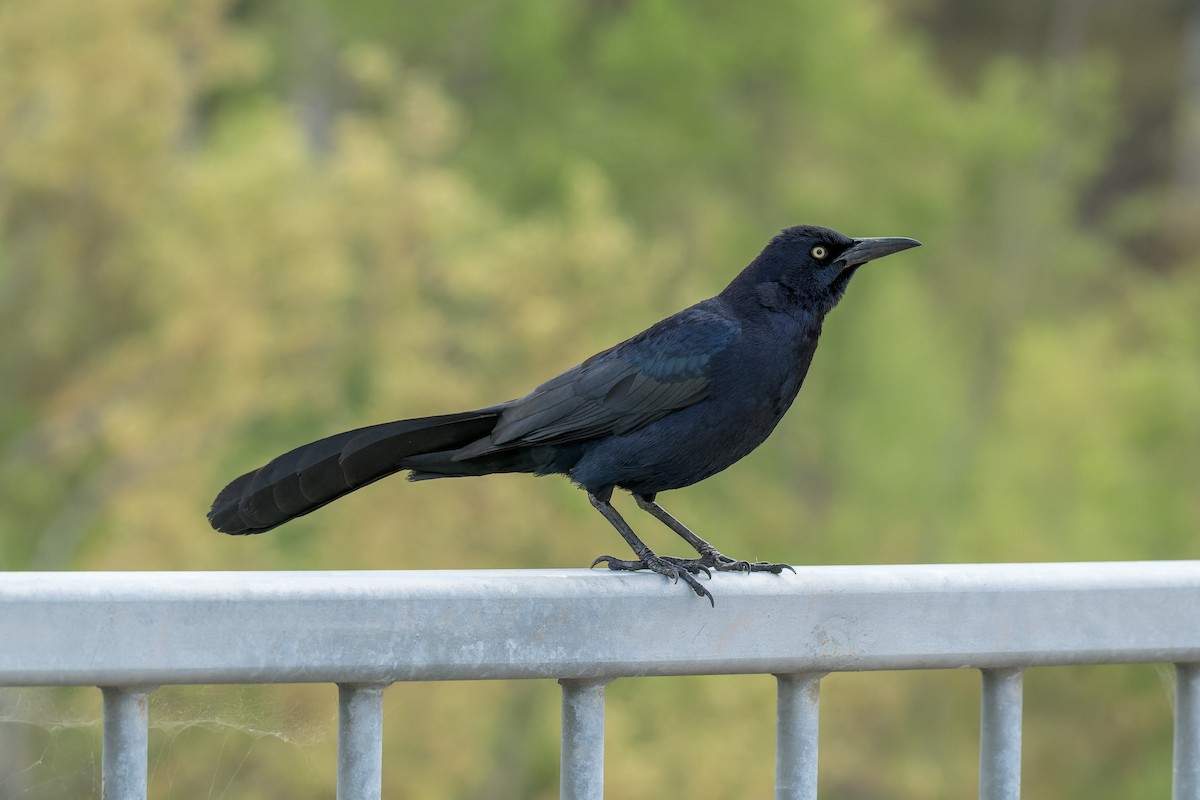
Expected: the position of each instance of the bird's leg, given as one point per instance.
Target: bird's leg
(647, 559)
(709, 555)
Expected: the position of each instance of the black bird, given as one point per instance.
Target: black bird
(678, 402)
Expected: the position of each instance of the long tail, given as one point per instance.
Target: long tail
(312, 475)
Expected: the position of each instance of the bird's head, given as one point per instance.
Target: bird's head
(806, 269)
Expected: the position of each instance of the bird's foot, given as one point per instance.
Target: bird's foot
(722, 563)
(673, 568)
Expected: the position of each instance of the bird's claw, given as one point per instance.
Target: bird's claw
(723, 563)
(687, 568)
(692, 565)
(729, 565)
(673, 568)
(616, 563)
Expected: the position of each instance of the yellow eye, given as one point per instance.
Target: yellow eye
(819, 253)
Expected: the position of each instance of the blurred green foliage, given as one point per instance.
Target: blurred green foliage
(229, 229)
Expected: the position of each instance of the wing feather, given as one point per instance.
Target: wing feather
(663, 369)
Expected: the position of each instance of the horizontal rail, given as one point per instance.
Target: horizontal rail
(117, 629)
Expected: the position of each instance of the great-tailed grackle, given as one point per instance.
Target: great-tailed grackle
(678, 402)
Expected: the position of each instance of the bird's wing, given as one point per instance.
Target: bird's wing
(661, 370)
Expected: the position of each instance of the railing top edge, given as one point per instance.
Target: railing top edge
(807, 580)
(379, 626)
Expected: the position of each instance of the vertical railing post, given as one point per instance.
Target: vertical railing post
(581, 775)
(797, 732)
(125, 743)
(1185, 784)
(360, 741)
(1000, 734)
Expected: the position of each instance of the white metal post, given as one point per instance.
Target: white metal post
(1000, 734)
(360, 741)
(582, 759)
(126, 740)
(796, 735)
(1186, 768)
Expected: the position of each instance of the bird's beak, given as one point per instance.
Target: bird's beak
(864, 250)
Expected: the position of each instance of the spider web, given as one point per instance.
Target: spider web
(205, 741)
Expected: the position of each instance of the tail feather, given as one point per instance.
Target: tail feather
(302, 480)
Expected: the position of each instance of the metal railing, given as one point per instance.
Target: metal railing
(130, 632)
